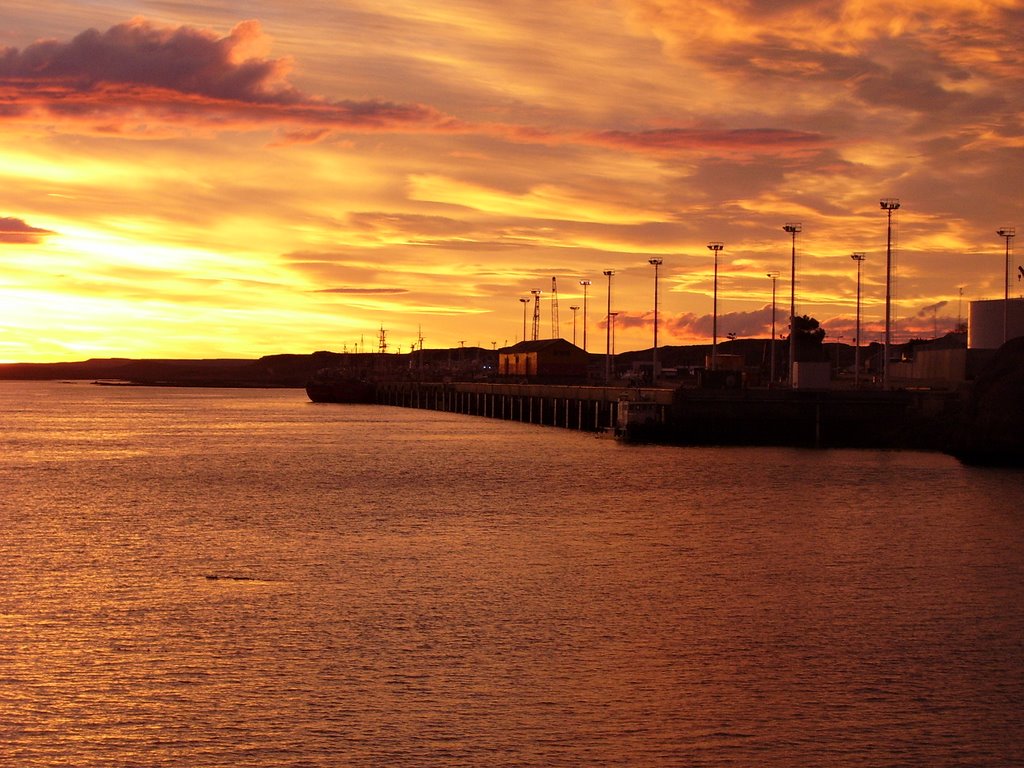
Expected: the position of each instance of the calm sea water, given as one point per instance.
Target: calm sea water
(243, 578)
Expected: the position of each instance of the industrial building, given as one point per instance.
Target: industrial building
(546, 359)
(994, 322)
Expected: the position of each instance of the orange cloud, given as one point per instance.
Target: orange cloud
(744, 140)
(136, 72)
(145, 80)
(18, 232)
(138, 53)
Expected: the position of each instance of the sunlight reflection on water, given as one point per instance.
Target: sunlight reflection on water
(209, 578)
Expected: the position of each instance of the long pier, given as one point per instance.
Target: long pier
(698, 417)
(591, 409)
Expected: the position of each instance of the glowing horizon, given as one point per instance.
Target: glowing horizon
(189, 184)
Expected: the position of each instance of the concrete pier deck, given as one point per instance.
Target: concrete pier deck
(592, 409)
(682, 416)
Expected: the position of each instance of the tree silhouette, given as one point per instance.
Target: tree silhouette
(808, 336)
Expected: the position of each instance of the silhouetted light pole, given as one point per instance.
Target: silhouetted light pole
(654, 362)
(889, 204)
(792, 227)
(574, 311)
(536, 313)
(525, 302)
(585, 284)
(1008, 233)
(774, 275)
(858, 257)
(715, 248)
(608, 330)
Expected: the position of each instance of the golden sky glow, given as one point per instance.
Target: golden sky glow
(180, 181)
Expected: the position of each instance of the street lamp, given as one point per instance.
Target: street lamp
(524, 302)
(608, 329)
(654, 362)
(585, 284)
(1008, 233)
(889, 204)
(715, 248)
(858, 257)
(774, 276)
(574, 311)
(792, 227)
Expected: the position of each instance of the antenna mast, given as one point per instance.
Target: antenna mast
(554, 307)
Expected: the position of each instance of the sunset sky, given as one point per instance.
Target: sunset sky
(232, 179)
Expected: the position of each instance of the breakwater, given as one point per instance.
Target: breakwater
(901, 419)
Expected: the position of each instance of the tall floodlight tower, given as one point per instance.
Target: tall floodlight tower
(774, 277)
(859, 258)
(715, 248)
(536, 313)
(889, 204)
(1008, 233)
(793, 227)
(554, 308)
(525, 302)
(654, 361)
(608, 329)
(574, 311)
(585, 284)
